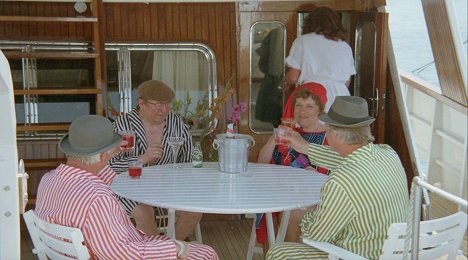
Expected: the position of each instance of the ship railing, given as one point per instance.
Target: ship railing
(439, 127)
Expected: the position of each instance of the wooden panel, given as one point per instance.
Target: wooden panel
(78, 91)
(36, 164)
(380, 75)
(50, 55)
(47, 28)
(373, 64)
(396, 139)
(42, 127)
(448, 62)
(5, 18)
(100, 71)
(30, 151)
(295, 6)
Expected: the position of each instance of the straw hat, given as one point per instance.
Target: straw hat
(89, 135)
(348, 111)
(155, 90)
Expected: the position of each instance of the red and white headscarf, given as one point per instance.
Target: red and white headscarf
(313, 87)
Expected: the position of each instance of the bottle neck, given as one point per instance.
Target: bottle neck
(230, 128)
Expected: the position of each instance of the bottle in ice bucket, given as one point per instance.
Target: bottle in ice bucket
(197, 157)
(230, 129)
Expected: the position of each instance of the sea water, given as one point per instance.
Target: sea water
(410, 37)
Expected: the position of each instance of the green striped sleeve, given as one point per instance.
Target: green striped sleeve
(324, 156)
(333, 215)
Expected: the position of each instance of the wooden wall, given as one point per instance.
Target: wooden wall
(43, 30)
(213, 24)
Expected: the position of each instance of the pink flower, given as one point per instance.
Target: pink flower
(236, 111)
(231, 118)
(243, 106)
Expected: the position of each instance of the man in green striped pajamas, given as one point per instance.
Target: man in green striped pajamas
(366, 190)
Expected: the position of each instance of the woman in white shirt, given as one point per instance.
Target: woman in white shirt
(322, 55)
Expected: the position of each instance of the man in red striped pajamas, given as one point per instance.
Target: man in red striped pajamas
(78, 194)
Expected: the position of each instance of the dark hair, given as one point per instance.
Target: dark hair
(305, 93)
(324, 21)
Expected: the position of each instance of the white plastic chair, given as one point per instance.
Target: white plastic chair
(55, 241)
(438, 237)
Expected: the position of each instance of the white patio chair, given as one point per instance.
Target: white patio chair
(52, 241)
(437, 237)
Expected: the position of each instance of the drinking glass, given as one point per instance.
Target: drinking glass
(175, 142)
(280, 133)
(129, 136)
(135, 169)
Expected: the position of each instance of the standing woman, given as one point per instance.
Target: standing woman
(322, 55)
(153, 122)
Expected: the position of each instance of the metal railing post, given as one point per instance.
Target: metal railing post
(416, 219)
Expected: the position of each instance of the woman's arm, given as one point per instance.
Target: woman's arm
(348, 82)
(292, 75)
(267, 150)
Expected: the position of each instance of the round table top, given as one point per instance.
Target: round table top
(263, 188)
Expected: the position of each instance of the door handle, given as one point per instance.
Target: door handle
(375, 103)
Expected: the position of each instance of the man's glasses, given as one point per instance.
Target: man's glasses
(160, 105)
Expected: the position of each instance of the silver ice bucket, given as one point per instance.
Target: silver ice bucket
(233, 151)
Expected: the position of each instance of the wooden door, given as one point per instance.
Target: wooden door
(368, 39)
(248, 19)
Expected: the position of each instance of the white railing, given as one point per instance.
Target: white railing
(417, 188)
(439, 127)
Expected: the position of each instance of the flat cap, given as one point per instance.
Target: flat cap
(155, 90)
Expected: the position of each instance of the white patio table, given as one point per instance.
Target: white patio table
(264, 188)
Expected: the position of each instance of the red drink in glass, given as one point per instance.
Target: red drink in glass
(134, 171)
(129, 137)
(130, 141)
(280, 134)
